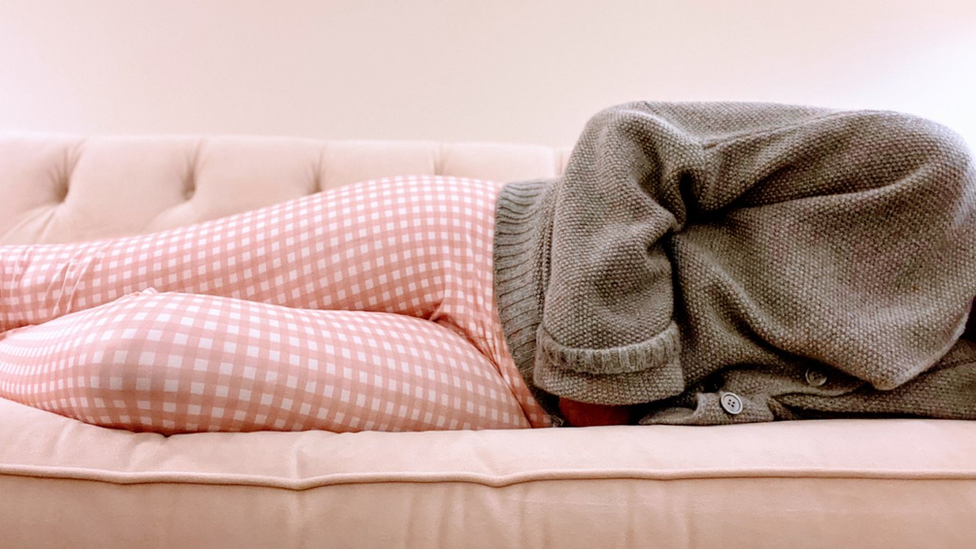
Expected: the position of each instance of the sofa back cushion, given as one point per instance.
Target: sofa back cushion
(67, 188)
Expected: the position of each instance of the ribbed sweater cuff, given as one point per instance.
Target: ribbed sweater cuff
(631, 374)
(518, 273)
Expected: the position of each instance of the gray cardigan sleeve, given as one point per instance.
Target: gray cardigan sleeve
(607, 333)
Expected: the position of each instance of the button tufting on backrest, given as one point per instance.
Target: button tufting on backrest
(120, 184)
(64, 184)
(33, 181)
(65, 171)
(190, 179)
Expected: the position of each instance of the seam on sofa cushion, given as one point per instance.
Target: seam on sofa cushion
(56, 473)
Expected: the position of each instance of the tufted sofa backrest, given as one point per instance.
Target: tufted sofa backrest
(65, 188)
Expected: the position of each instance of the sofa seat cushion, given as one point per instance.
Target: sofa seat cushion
(880, 483)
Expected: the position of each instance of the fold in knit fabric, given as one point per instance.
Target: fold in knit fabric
(696, 249)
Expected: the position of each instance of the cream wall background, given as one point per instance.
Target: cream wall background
(523, 71)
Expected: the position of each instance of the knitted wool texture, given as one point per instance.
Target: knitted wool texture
(694, 249)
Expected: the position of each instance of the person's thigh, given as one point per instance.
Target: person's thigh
(174, 363)
(403, 245)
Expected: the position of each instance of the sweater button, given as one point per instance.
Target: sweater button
(731, 403)
(815, 378)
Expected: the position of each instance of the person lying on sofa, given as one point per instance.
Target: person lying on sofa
(697, 263)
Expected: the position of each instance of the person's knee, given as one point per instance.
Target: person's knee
(929, 143)
(122, 362)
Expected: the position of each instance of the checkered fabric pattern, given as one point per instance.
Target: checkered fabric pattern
(367, 307)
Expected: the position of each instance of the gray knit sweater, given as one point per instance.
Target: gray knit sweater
(731, 262)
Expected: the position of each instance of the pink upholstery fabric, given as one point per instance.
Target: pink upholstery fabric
(366, 307)
(884, 484)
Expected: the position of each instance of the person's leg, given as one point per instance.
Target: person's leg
(177, 363)
(418, 246)
(389, 245)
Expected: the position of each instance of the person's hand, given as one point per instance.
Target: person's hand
(584, 414)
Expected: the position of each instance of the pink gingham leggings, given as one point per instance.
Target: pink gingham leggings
(367, 307)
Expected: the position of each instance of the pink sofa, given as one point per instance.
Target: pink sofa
(837, 484)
